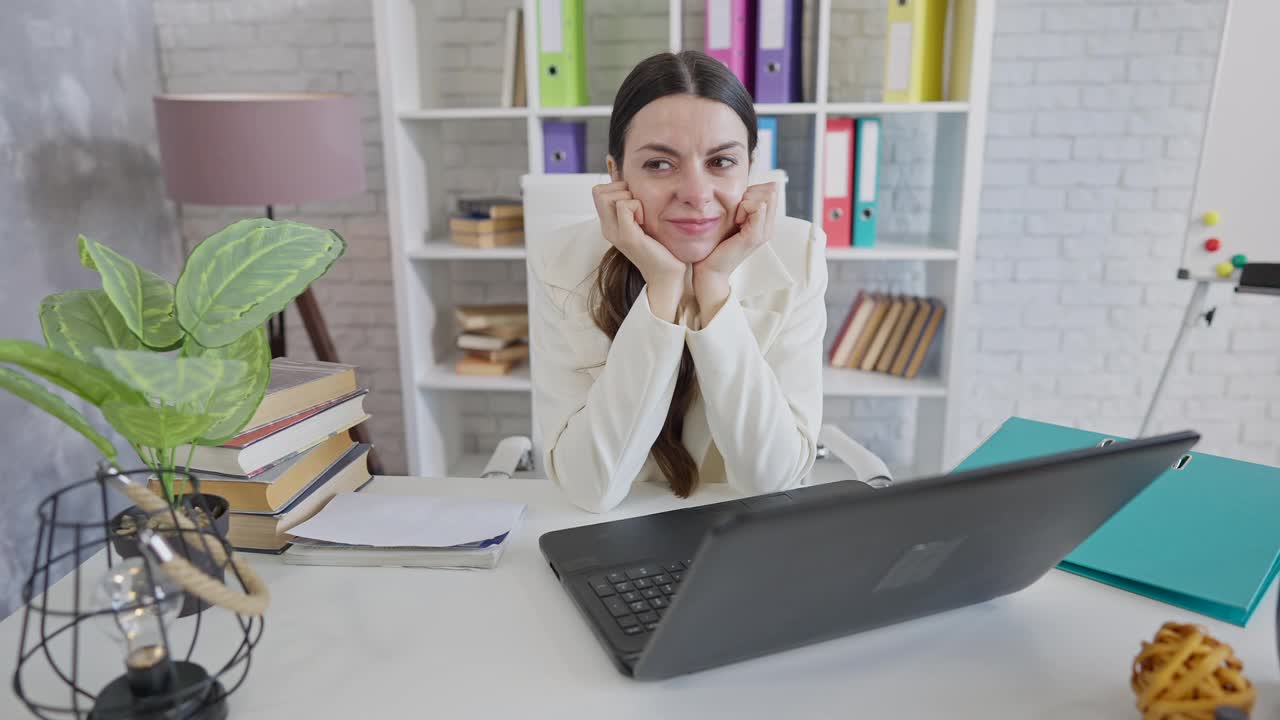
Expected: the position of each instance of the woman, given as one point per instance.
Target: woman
(678, 337)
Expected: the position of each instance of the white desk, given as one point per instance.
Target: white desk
(507, 643)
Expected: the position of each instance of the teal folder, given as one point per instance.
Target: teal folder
(1205, 537)
(866, 181)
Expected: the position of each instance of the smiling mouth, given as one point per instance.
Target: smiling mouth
(696, 226)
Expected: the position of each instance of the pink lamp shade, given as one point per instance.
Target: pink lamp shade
(260, 149)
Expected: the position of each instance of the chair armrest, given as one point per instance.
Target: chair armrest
(865, 465)
(513, 454)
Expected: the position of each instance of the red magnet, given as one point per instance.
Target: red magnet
(1212, 244)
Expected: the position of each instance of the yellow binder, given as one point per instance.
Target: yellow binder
(913, 51)
(562, 53)
(961, 49)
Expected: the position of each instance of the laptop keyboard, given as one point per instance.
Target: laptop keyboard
(638, 596)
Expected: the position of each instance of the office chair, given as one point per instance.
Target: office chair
(555, 201)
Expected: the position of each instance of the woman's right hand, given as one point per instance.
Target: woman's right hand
(621, 220)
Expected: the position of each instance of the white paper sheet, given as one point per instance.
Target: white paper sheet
(409, 520)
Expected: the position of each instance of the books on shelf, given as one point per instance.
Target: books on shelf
(493, 338)
(368, 528)
(269, 531)
(501, 206)
(512, 94)
(512, 353)
(887, 333)
(483, 318)
(480, 342)
(488, 222)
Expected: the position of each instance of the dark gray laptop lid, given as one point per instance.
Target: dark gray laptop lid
(786, 577)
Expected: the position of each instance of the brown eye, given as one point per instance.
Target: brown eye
(723, 163)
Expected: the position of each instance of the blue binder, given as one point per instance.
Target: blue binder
(1205, 537)
(767, 142)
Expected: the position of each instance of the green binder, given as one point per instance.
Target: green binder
(1205, 537)
(562, 53)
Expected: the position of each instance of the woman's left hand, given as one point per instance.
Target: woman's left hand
(754, 218)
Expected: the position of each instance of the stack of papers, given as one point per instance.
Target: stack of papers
(405, 531)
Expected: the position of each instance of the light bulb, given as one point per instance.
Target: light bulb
(138, 606)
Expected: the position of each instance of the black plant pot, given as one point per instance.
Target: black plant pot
(187, 544)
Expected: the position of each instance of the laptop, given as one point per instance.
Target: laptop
(691, 589)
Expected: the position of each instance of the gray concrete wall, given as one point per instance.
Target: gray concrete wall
(77, 155)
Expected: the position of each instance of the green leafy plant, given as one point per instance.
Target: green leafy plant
(170, 366)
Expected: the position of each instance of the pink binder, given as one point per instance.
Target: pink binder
(730, 27)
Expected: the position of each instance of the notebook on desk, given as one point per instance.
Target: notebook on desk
(406, 531)
(1205, 536)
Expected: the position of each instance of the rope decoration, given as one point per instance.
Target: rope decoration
(1185, 674)
(253, 602)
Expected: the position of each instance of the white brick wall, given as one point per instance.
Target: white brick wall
(1108, 102)
(1093, 135)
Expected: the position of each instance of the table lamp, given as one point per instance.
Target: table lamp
(266, 149)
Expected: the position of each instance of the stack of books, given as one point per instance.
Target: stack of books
(294, 456)
(493, 338)
(488, 222)
(887, 333)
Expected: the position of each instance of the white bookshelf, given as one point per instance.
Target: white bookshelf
(413, 137)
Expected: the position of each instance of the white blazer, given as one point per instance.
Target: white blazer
(599, 405)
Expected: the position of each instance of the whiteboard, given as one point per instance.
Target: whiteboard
(1239, 175)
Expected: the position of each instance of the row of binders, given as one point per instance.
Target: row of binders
(850, 194)
(564, 145)
(888, 333)
(761, 42)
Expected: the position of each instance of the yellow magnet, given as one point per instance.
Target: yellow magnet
(1224, 269)
(1212, 217)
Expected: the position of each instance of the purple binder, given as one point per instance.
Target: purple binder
(777, 68)
(564, 146)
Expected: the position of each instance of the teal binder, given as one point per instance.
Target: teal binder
(1205, 537)
(866, 181)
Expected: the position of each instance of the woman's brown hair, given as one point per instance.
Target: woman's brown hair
(618, 281)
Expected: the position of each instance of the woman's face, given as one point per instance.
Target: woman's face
(686, 161)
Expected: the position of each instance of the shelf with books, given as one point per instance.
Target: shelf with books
(423, 95)
(840, 382)
(443, 377)
(445, 250)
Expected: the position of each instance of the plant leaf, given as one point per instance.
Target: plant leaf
(234, 400)
(79, 321)
(85, 258)
(88, 381)
(163, 428)
(168, 379)
(144, 299)
(38, 395)
(247, 272)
